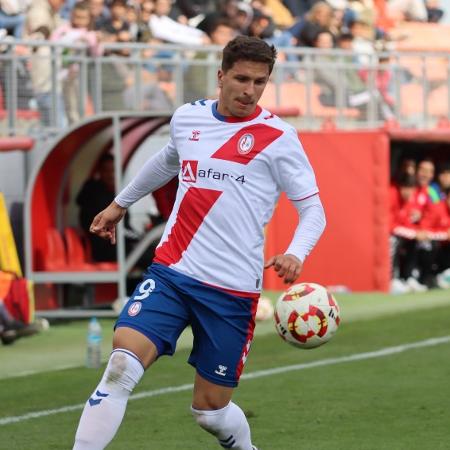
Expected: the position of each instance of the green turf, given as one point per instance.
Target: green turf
(397, 402)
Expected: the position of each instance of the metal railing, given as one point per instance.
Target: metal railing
(46, 86)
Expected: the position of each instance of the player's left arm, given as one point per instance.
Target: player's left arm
(295, 176)
(311, 225)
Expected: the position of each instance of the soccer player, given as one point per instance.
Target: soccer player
(233, 159)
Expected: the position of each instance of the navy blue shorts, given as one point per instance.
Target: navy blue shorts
(166, 302)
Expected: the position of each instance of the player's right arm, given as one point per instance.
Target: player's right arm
(104, 223)
(156, 172)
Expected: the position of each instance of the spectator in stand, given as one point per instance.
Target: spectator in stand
(262, 26)
(244, 17)
(12, 16)
(344, 79)
(276, 10)
(42, 20)
(117, 23)
(434, 11)
(200, 81)
(66, 9)
(407, 10)
(363, 40)
(228, 9)
(383, 84)
(318, 18)
(168, 30)
(100, 14)
(144, 33)
(298, 8)
(196, 8)
(75, 32)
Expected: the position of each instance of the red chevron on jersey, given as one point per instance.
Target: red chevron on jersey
(193, 208)
(247, 143)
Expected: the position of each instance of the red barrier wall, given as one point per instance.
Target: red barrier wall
(352, 170)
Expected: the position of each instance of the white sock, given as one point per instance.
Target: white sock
(229, 425)
(104, 411)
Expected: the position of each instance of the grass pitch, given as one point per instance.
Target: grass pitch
(396, 399)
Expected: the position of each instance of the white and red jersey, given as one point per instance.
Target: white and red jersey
(232, 173)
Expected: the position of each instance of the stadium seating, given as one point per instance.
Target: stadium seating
(71, 255)
(77, 253)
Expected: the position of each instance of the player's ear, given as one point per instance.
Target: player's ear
(220, 77)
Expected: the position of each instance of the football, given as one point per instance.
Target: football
(306, 315)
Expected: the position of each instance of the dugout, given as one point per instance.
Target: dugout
(52, 258)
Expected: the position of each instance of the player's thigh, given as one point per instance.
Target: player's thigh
(136, 342)
(210, 396)
(153, 319)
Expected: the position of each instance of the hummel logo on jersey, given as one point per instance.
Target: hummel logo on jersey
(189, 171)
(95, 401)
(195, 135)
(221, 370)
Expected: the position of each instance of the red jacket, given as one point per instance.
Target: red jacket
(406, 215)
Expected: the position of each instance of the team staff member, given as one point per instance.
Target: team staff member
(233, 159)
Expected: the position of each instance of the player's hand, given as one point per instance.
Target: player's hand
(104, 223)
(287, 266)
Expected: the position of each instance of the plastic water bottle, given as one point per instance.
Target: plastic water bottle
(94, 341)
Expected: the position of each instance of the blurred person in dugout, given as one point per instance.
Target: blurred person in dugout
(419, 227)
(97, 192)
(75, 32)
(42, 20)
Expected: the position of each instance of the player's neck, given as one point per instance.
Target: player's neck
(223, 115)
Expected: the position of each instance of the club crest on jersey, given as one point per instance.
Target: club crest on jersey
(134, 309)
(189, 171)
(246, 143)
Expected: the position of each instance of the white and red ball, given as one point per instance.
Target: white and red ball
(306, 315)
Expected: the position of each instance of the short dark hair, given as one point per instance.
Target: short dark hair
(82, 6)
(248, 49)
(407, 180)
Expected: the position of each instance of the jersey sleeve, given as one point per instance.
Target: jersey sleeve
(156, 172)
(292, 169)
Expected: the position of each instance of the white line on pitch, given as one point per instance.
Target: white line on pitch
(258, 374)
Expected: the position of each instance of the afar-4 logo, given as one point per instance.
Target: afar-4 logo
(190, 172)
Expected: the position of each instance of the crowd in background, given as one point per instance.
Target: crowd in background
(420, 225)
(363, 26)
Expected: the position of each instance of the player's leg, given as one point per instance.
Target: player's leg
(104, 411)
(222, 325)
(147, 327)
(214, 411)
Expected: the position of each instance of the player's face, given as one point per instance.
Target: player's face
(241, 87)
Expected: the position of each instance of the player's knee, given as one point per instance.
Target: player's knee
(210, 421)
(123, 370)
